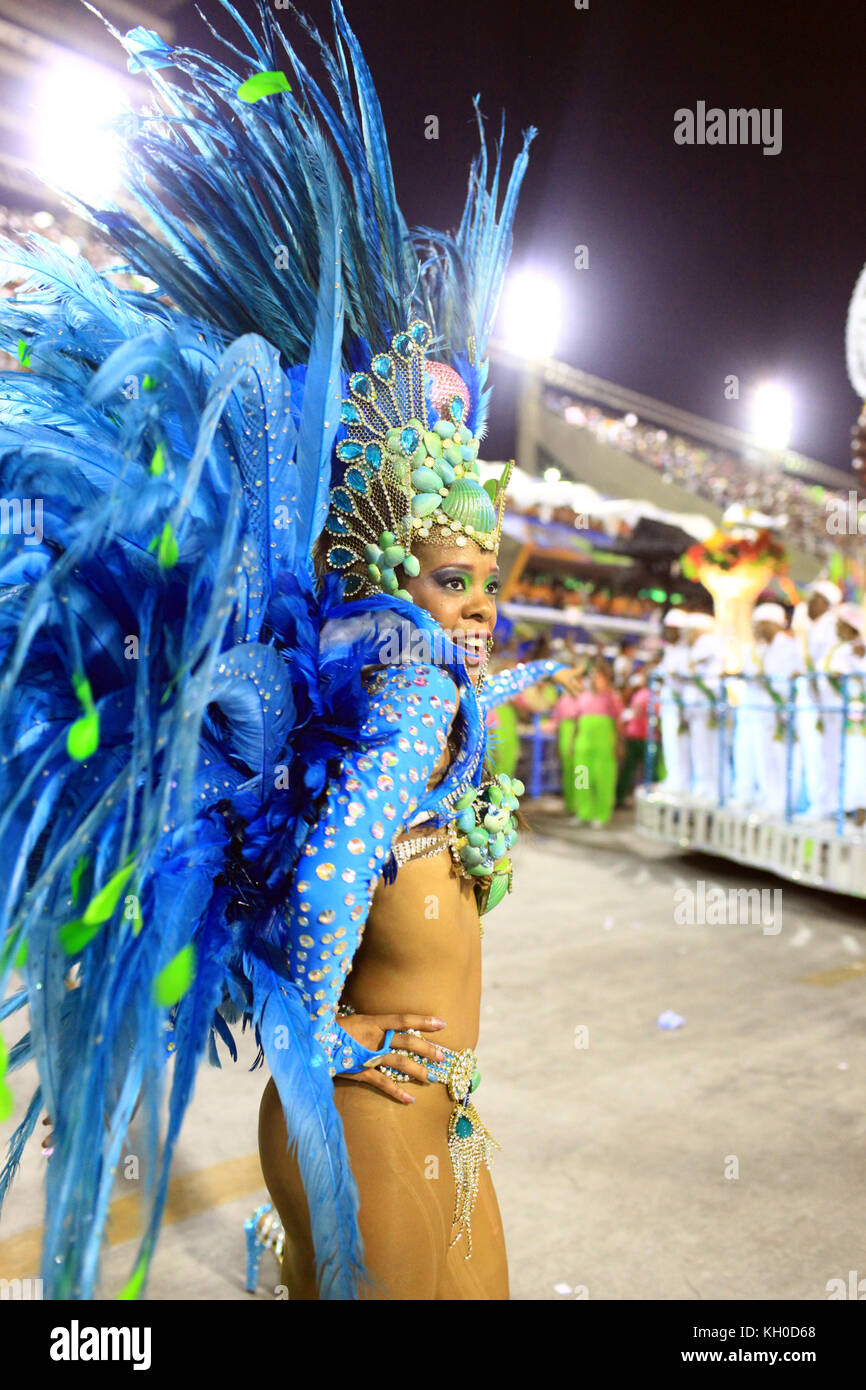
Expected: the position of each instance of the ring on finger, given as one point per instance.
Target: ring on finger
(394, 1073)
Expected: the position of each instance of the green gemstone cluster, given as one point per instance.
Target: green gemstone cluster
(487, 830)
(382, 561)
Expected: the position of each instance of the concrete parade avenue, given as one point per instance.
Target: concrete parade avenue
(720, 1159)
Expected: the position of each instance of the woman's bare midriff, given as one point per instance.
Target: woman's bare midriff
(421, 949)
(421, 953)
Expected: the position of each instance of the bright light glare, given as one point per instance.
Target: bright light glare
(75, 150)
(552, 475)
(531, 314)
(771, 416)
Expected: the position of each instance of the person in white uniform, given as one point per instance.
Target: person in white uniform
(672, 710)
(706, 665)
(814, 626)
(848, 658)
(772, 661)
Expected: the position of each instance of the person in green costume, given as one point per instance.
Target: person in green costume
(504, 746)
(596, 748)
(564, 713)
(503, 720)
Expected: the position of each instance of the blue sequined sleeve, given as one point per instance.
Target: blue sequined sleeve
(367, 806)
(506, 684)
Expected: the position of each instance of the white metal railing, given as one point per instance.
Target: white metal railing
(721, 734)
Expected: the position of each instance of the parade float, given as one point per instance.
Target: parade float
(737, 565)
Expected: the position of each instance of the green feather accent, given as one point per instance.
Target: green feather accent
(263, 84)
(165, 545)
(9, 945)
(83, 736)
(157, 463)
(173, 981)
(23, 353)
(168, 552)
(75, 935)
(75, 880)
(137, 919)
(6, 1101)
(132, 1287)
(81, 686)
(101, 908)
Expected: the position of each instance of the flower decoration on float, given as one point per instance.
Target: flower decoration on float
(734, 565)
(410, 469)
(734, 547)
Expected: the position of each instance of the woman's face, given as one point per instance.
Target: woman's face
(458, 584)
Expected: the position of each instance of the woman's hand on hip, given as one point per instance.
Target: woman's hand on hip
(370, 1030)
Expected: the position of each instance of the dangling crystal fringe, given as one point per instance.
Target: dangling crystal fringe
(468, 1152)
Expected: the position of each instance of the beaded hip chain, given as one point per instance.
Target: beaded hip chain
(469, 1142)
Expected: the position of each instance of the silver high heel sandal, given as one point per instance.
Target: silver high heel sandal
(263, 1231)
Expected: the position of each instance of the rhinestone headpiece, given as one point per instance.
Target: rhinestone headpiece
(407, 477)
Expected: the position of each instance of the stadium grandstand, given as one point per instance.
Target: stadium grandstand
(627, 445)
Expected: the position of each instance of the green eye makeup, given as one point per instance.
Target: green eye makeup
(448, 577)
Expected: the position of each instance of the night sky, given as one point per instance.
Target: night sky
(703, 260)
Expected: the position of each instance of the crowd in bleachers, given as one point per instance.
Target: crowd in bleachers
(562, 591)
(719, 476)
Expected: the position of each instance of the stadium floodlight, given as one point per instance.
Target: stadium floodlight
(531, 314)
(772, 411)
(76, 149)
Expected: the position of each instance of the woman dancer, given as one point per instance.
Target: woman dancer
(597, 747)
(564, 720)
(416, 981)
(205, 742)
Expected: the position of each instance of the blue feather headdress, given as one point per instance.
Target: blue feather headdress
(161, 624)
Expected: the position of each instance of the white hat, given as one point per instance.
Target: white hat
(828, 590)
(675, 617)
(702, 622)
(852, 614)
(769, 613)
